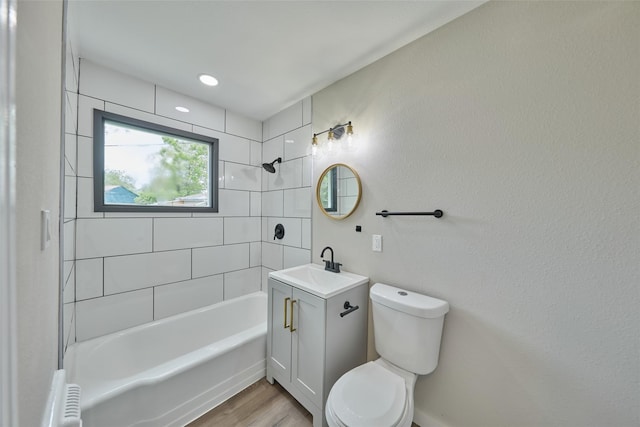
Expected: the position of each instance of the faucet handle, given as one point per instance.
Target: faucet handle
(332, 266)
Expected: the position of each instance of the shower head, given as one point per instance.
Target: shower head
(269, 166)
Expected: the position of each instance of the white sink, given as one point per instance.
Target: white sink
(314, 279)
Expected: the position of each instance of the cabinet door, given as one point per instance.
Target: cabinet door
(308, 345)
(279, 341)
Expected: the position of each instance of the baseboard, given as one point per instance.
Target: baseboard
(425, 420)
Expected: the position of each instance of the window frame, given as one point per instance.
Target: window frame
(99, 118)
(333, 188)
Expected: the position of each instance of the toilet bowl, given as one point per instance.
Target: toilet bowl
(376, 394)
(408, 330)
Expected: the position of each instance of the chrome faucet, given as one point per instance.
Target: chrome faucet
(330, 265)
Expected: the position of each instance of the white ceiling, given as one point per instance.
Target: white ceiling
(266, 54)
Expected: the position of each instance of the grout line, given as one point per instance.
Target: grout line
(103, 262)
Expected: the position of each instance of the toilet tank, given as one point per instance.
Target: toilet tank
(407, 327)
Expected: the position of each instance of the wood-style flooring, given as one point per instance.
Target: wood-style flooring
(259, 405)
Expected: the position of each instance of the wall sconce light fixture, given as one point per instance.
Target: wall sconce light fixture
(334, 136)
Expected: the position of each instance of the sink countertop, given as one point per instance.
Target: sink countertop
(313, 278)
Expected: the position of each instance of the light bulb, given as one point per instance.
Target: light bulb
(351, 143)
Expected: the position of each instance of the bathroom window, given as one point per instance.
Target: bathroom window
(141, 167)
(329, 191)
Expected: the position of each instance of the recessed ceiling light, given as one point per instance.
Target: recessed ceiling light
(208, 80)
(182, 109)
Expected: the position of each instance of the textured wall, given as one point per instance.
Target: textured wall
(38, 88)
(519, 121)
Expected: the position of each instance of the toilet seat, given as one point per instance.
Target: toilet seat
(369, 395)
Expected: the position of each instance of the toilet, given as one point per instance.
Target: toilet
(407, 328)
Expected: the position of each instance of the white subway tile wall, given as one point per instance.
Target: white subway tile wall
(125, 269)
(256, 153)
(70, 161)
(85, 156)
(71, 113)
(68, 323)
(100, 316)
(69, 197)
(85, 199)
(148, 117)
(131, 272)
(85, 115)
(288, 135)
(179, 297)
(297, 202)
(241, 230)
(297, 144)
(240, 125)
(295, 256)
(182, 233)
(272, 255)
(242, 177)
(69, 280)
(255, 254)
(89, 278)
(70, 200)
(285, 121)
(241, 282)
(113, 236)
(219, 259)
(292, 235)
(200, 113)
(255, 204)
(111, 86)
(272, 203)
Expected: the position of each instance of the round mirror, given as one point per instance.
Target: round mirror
(338, 191)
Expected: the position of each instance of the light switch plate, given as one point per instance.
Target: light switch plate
(45, 229)
(376, 243)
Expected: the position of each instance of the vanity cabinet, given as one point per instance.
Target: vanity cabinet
(309, 345)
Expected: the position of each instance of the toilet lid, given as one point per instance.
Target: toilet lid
(369, 395)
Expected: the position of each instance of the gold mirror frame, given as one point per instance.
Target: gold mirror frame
(319, 183)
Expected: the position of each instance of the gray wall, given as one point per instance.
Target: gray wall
(38, 105)
(519, 121)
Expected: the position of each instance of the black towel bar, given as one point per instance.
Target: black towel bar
(437, 213)
(350, 308)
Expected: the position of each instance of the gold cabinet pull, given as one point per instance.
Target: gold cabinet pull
(286, 300)
(291, 328)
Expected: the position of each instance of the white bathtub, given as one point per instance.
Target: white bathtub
(171, 371)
